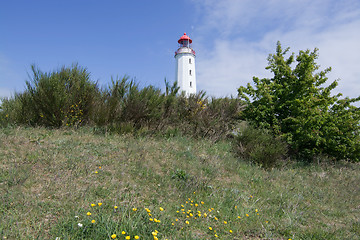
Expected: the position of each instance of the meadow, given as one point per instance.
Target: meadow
(80, 184)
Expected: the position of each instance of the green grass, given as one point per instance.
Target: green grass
(48, 182)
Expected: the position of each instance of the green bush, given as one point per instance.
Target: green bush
(63, 97)
(259, 146)
(295, 105)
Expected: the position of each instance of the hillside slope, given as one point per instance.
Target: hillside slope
(164, 188)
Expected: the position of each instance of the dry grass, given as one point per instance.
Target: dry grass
(49, 176)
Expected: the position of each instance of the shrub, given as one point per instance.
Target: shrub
(63, 97)
(259, 146)
(295, 105)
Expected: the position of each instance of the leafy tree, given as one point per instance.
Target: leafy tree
(296, 105)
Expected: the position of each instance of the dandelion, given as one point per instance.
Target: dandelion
(88, 213)
(123, 232)
(216, 218)
(230, 231)
(176, 220)
(247, 215)
(136, 237)
(96, 171)
(172, 224)
(210, 228)
(127, 237)
(205, 215)
(225, 222)
(99, 167)
(216, 235)
(113, 236)
(154, 233)
(148, 210)
(151, 219)
(161, 209)
(256, 210)
(115, 207)
(92, 205)
(187, 222)
(99, 204)
(93, 221)
(202, 202)
(239, 217)
(196, 204)
(80, 224)
(134, 209)
(235, 207)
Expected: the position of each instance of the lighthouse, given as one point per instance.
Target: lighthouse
(185, 66)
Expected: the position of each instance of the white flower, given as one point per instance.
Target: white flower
(80, 224)
(76, 216)
(57, 238)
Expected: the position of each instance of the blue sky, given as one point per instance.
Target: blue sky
(232, 39)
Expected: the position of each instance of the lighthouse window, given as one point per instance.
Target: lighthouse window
(190, 72)
(190, 60)
(190, 84)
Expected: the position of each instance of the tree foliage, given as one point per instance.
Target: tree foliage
(297, 104)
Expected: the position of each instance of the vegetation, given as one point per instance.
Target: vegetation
(296, 106)
(49, 180)
(122, 162)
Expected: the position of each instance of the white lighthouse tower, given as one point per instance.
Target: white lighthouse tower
(185, 66)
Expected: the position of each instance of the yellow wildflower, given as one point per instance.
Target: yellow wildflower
(99, 204)
(210, 228)
(88, 213)
(123, 232)
(136, 237)
(161, 209)
(113, 236)
(127, 237)
(93, 221)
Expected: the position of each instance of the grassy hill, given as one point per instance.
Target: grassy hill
(164, 188)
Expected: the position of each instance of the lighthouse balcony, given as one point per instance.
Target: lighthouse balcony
(185, 50)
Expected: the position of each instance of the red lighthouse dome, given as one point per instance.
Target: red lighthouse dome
(184, 38)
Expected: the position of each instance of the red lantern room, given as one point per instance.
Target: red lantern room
(185, 41)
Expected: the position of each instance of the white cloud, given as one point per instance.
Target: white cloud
(234, 39)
